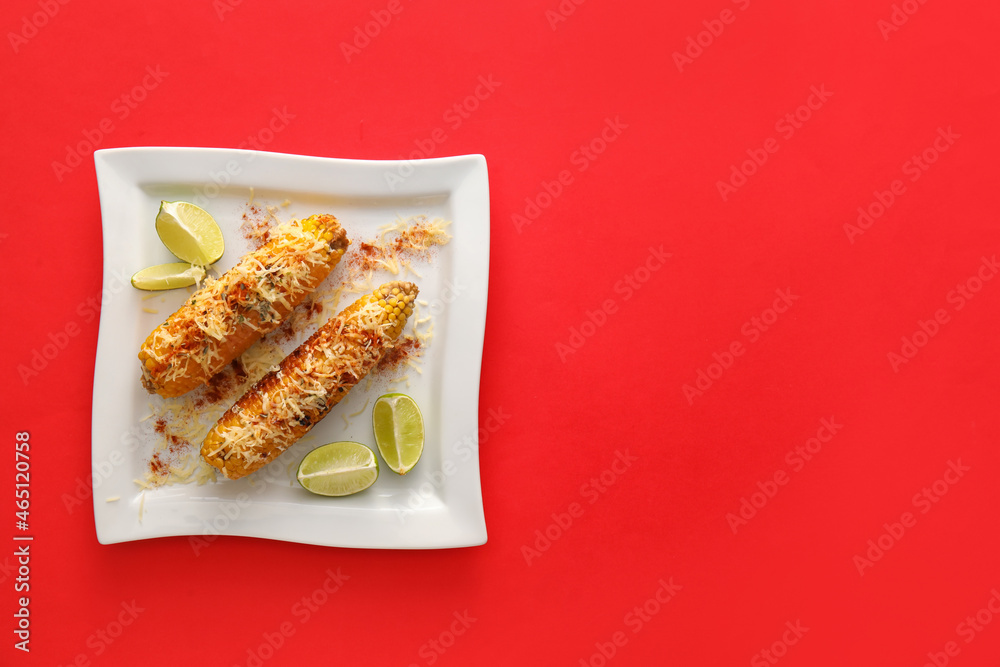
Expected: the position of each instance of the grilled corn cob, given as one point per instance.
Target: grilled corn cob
(221, 320)
(283, 405)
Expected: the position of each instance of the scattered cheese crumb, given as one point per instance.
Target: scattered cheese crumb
(271, 210)
(390, 265)
(151, 311)
(363, 407)
(409, 267)
(112, 499)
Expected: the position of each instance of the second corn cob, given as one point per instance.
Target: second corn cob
(286, 403)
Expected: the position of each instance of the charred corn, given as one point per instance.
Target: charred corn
(226, 316)
(287, 402)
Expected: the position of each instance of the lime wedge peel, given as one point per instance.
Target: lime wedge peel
(338, 469)
(399, 431)
(190, 232)
(167, 276)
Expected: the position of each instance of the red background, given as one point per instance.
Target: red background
(621, 389)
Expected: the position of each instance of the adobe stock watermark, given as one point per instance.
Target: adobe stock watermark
(592, 490)
(958, 298)
(967, 630)
(463, 450)
(796, 459)
(913, 168)
(432, 650)
(696, 44)
(786, 127)
(84, 489)
(624, 289)
(32, 23)
(450, 293)
(778, 649)
(580, 159)
(634, 620)
(223, 7)
(898, 17)
(562, 12)
(271, 641)
(101, 639)
(7, 568)
(365, 32)
(752, 330)
(257, 141)
(454, 117)
(59, 339)
(924, 501)
(229, 511)
(121, 108)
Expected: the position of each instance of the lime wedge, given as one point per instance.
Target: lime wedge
(189, 232)
(167, 276)
(338, 469)
(399, 431)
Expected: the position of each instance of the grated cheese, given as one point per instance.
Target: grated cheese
(363, 408)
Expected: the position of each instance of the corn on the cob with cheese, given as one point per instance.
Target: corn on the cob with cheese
(226, 316)
(286, 403)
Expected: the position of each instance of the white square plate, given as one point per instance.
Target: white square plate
(439, 503)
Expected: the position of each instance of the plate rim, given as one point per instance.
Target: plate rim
(470, 191)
